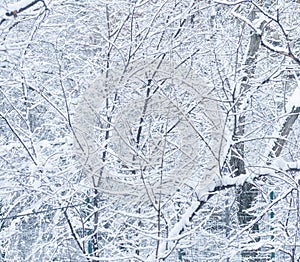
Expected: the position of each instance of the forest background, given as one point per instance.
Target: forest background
(149, 130)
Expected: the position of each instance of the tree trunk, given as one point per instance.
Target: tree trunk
(247, 193)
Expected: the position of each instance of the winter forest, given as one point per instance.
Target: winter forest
(149, 130)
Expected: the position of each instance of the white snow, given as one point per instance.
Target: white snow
(238, 181)
(185, 220)
(294, 100)
(280, 163)
(18, 5)
(293, 165)
(175, 232)
(12, 7)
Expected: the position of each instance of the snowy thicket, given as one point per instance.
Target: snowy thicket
(149, 130)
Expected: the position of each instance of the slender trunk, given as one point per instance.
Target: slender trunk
(97, 181)
(247, 193)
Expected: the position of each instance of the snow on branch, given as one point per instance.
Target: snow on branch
(275, 163)
(32, 157)
(283, 165)
(230, 3)
(16, 8)
(279, 143)
(258, 218)
(280, 51)
(205, 192)
(247, 21)
(258, 28)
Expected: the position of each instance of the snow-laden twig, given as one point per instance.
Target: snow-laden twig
(224, 2)
(205, 192)
(19, 138)
(258, 218)
(12, 10)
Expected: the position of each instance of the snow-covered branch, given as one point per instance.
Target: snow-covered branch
(204, 193)
(16, 8)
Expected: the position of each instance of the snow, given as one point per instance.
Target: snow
(247, 21)
(238, 181)
(293, 165)
(202, 192)
(18, 5)
(4, 9)
(294, 100)
(185, 220)
(128, 216)
(176, 230)
(224, 2)
(275, 49)
(280, 164)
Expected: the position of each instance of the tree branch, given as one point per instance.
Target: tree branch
(19, 138)
(14, 12)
